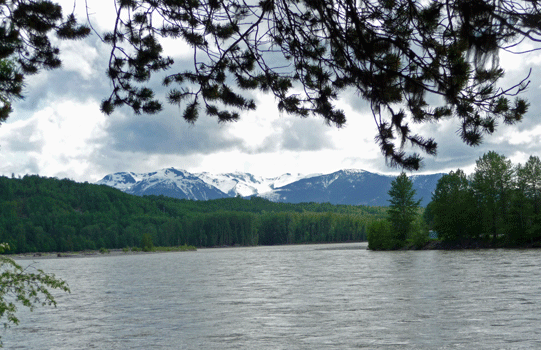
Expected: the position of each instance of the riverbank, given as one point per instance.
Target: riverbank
(116, 252)
(439, 245)
(99, 253)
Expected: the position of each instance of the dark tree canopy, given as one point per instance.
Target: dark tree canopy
(412, 61)
(496, 206)
(25, 46)
(455, 208)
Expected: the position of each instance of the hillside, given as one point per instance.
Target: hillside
(45, 214)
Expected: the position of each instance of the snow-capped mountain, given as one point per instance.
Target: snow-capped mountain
(342, 187)
(169, 182)
(245, 184)
(354, 187)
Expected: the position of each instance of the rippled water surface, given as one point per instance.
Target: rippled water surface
(291, 297)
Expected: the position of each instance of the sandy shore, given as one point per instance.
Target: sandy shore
(83, 254)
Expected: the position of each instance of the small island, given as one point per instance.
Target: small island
(497, 206)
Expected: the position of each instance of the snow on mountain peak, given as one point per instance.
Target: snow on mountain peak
(123, 180)
(246, 184)
(353, 171)
(201, 186)
(231, 184)
(286, 179)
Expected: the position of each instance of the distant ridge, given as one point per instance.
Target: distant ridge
(349, 186)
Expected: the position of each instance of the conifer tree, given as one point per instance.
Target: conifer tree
(411, 61)
(25, 45)
(402, 206)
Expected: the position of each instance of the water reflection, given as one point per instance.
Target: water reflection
(292, 297)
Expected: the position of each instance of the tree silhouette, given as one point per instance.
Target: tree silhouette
(25, 45)
(410, 61)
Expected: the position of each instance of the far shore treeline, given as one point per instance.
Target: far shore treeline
(39, 214)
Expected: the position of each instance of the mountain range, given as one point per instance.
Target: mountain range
(353, 187)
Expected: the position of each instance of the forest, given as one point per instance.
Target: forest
(39, 214)
(498, 205)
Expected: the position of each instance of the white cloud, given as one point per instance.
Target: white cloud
(519, 157)
(79, 57)
(524, 57)
(55, 141)
(257, 125)
(525, 137)
(102, 14)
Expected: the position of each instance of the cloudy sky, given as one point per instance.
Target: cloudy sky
(59, 131)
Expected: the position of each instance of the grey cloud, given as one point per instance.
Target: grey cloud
(311, 139)
(357, 103)
(47, 86)
(452, 152)
(135, 137)
(29, 166)
(297, 134)
(68, 84)
(169, 134)
(65, 85)
(18, 139)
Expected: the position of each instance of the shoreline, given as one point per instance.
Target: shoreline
(474, 245)
(85, 254)
(432, 245)
(121, 252)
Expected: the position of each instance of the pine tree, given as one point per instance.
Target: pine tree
(25, 46)
(403, 207)
(396, 54)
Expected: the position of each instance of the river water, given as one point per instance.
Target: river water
(338, 296)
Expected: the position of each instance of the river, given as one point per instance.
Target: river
(333, 296)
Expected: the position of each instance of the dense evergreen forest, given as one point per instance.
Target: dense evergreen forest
(39, 214)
